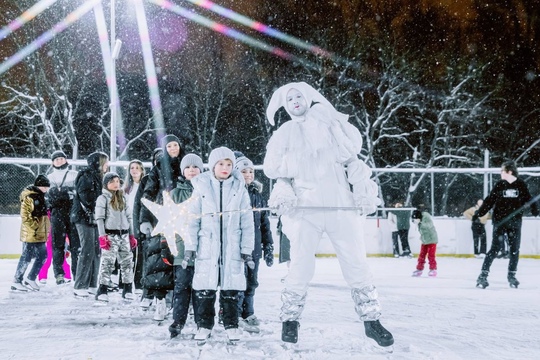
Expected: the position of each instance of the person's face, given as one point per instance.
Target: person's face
(114, 184)
(249, 175)
(105, 167)
(296, 103)
(43, 189)
(135, 171)
(223, 169)
(398, 205)
(480, 202)
(191, 171)
(59, 161)
(173, 149)
(505, 175)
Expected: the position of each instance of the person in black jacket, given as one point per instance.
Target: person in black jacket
(163, 177)
(263, 243)
(88, 186)
(508, 198)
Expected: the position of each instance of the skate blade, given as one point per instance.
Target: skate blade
(480, 286)
(380, 349)
(101, 303)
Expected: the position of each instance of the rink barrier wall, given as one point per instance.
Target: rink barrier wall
(455, 237)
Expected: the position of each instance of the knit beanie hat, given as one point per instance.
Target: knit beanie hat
(108, 177)
(243, 163)
(57, 154)
(220, 153)
(169, 138)
(41, 180)
(417, 214)
(191, 159)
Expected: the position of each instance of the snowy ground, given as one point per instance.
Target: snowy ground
(431, 318)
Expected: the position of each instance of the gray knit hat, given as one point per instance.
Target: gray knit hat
(57, 154)
(219, 154)
(243, 163)
(108, 177)
(191, 159)
(169, 138)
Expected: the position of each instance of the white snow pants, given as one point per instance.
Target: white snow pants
(345, 231)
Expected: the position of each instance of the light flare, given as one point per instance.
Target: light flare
(25, 17)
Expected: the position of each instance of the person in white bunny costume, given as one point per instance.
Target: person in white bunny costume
(314, 159)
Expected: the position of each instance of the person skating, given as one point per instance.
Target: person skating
(429, 238)
(509, 199)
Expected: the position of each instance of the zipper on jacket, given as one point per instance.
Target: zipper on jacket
(221, 222)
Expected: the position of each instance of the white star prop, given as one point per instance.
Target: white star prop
(172, 219)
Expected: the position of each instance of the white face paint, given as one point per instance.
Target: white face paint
(296, 103)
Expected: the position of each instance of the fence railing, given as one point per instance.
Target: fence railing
(447, 192)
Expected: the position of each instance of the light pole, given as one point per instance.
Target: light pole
(114, 94)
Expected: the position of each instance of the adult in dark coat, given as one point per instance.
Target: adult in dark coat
(164, 175)
(88, 185)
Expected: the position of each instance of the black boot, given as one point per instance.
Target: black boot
(377, 332)
(482, 279)
(127, 291)
(512, 281)
(101, 294)
(289, 331)
(175, 329)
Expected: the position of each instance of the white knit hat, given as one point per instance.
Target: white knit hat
(243, 163)
(220, 153)
(191, 159)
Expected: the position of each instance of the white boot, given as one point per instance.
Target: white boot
(161, 310)
(233, 334)
(202, 334)
(31, 284)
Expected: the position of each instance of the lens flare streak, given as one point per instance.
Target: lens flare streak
(47, 36)
(25, 17)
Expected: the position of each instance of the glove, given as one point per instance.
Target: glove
(146, 228)
(132, 241)
(165, 254)
(475, 216)
(282, 197)
(248, 260)
(188, 256)
(104, 242)
(269, 255)
(366, 205)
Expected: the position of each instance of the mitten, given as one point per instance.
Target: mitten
(166, 255)
(104, 242)
(132, 241)
(146, 228)
(188, 256)
(282, 197)
(248, 260)
(269, 255)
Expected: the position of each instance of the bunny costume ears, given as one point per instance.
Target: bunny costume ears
(279, 99)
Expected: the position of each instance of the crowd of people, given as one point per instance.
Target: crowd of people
(321, 187)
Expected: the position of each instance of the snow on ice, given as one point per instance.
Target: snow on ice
(445, 317)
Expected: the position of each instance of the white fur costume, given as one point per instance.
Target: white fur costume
(308, 156)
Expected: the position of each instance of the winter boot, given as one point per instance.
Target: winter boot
(512, 281)
(175, 329)
(127, 292)
(289, 331)
(101, 294)
(482, 279)
(417, 273)
(377, 332)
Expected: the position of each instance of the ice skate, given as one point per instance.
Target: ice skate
(512, 281)
(432, 273)
(407, 254)
(127, 292)
(417, 273)
(175, 329)
(101, 294)
(31, 284)
(482, 282)
(17, 286)
(377, 332)
(233, 335)
(289, 331)
(245, 325)
(81, 293)
(202, 335)
(161, 310)
(145, 303)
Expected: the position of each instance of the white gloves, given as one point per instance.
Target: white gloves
(365, 190)
(146, 228)
(282, 197)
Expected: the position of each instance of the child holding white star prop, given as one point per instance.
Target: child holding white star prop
(222, 239)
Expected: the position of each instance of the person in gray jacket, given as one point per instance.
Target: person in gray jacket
(113, 217)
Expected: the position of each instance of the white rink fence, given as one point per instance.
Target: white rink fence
(455, 237)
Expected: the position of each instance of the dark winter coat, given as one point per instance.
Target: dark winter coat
(263, 233)
(137, 205)
(162, 177)
(35, 223)
(508, 201)
(88, 185)
(157, 274)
